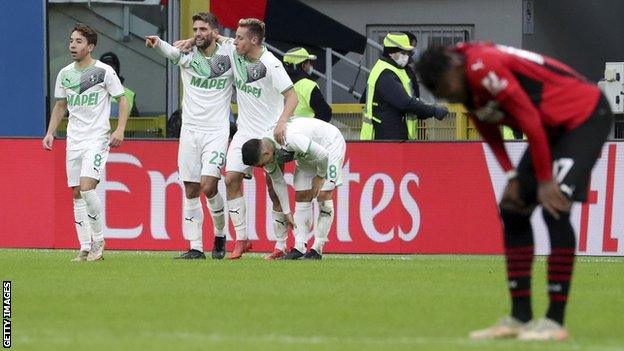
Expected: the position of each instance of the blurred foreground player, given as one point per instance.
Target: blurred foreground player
(566, 121)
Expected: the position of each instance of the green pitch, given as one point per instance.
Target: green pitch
(148, 301)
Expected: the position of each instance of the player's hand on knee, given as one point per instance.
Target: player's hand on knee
(317, 184)
(47, 141)
(511, 195)
(290, 220)
(552, 199)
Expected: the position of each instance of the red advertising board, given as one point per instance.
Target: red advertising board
(395, 198)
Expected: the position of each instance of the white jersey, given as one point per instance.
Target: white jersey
(207, 85)
(259, 88)
(88, 92)
(310, 140)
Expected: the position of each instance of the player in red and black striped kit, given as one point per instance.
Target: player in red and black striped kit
(566, 121)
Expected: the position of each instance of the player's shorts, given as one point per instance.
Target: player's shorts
(234, 161)
(201, 154)
(86, 162)
(574, 154)
(305, 172)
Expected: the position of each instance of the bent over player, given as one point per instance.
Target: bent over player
(566, 121)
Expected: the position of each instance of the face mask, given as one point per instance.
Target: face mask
(400, 59)
(309, 70)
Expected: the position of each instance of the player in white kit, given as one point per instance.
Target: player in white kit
(319, 150)
(85, 88)
(207, 79)
(264, 94)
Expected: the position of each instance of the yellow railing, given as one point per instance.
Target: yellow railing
(347, 117)
(137, 127)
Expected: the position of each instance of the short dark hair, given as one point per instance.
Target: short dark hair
(86, 32)
(251, 152)
(254, 25)
(208, 18)
(432, 66)
(111, 59)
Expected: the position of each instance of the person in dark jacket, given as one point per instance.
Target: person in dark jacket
(391, 108)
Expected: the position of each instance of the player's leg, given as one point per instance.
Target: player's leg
(93, 162)
(324, 220)
(83, 227)
(189, 168)
(216, 206)
(214, 148)
(574, 156)
(303, 217)
(516, 207)
(325, 199)
(280, 225)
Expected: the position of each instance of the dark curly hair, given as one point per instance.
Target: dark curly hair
(251, 151)
(432, 66)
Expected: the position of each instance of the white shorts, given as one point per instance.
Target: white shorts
(305, 172)
(201, 154)
(234, 155)
(86, 162)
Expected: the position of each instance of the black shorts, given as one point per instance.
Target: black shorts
(574, 154)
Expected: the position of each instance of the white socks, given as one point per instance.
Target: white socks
(193, 222)
(323, 224)
(238, 214)
(216, 207)
(83, 227)
(94, 213)
(303, 219)
(280, 229)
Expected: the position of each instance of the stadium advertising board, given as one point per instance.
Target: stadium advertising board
(395, 198)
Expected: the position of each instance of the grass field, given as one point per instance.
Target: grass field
(148, 301)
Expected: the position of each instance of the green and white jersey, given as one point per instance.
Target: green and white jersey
(310, 139)
(207, 82)
(88, 92)
(259, 88)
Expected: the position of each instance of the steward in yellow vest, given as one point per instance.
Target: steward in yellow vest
(391, 109)
(298, 64)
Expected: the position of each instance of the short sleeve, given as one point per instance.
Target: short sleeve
(280, 79)
(113, 84)
(59, 90)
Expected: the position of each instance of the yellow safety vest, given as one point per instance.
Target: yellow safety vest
(304, 88)
(129, 94)
(368, 131)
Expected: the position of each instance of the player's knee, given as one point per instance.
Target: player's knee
(560, 230)
(303, 196)
(191, 191)
(209, 189)
(233, 181)
(76, 192)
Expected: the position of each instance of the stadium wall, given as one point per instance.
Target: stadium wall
(22, 68)
(403, 198)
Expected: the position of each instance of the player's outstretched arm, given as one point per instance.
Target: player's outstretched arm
(163, 48)
(59, 110)
(118, 135)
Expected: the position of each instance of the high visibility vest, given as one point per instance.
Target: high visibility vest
(129, 94)
(303, 89)
(368, 131)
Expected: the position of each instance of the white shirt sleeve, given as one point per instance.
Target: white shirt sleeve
(59, 90)
(281, 188)
(113, 84)
(314, 152)
(279, 78)
(165, 49)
